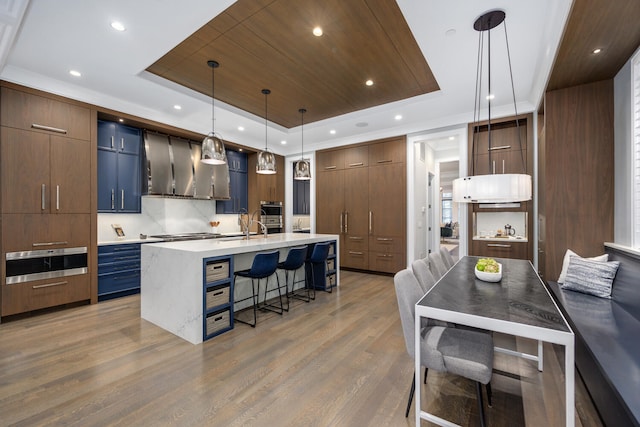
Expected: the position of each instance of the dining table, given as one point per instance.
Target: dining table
(519, 304)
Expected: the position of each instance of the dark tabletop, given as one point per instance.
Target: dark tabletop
(520, 296)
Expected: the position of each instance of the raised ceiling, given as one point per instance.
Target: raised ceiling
(269, 44)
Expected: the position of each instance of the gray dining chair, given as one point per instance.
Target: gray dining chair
(446, 257)
(436, 265)
(420, 269)
(461, 352)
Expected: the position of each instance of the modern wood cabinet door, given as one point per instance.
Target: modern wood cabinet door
(44, 173)
(330, 202)
(356, 208)
(330, 160)
(394, 151)
(28, 232)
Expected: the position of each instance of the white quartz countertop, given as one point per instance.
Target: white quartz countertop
(217, 247)
(125, 241)
(502, 239)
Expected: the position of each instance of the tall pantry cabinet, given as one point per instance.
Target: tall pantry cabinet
(46, 156)
(361, 196)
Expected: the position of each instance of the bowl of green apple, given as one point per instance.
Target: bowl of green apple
(488, 270)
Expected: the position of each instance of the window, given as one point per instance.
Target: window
(447, 207)
(635, 82)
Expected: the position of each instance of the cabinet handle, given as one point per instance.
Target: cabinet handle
(385, 161)
(48, 285)
(503, 166)
(122, 199)
(356, 253)
(57, 197)
(341, 225)
(497, 245)
(112, 141)
(346, 222)
(330, 167)
(113, 199)
(384, 256)
(384, 239)
(355, 164)
(493, 167)
(370, 222)
(44, 189)
(48, 128)
(122, 143)
(49, 243)
(502, 147)
(131, 276)
(355, 238)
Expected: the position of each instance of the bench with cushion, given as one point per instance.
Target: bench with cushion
(607, 335)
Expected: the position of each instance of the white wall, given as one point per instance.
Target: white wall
(623, 157)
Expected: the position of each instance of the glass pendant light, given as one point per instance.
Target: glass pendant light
(266, 160)
(302, 170)
(213, 151)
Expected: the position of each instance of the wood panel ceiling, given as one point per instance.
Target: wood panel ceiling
(613, 26)
(269, 44)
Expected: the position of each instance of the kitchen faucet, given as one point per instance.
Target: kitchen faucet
(263, 227)
(246, 225)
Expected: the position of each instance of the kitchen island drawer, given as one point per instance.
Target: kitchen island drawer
(29, 296)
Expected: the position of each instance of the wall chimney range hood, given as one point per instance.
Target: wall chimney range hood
(173, 169)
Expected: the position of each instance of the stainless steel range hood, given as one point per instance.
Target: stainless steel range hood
(174, 170)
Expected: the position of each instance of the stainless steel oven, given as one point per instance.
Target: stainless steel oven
(271, 216)
(42, 264)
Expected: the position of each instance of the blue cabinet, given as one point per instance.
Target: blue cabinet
(118, 270)
(217, 299)
(119, 168)
(301, 194)
(239, 183)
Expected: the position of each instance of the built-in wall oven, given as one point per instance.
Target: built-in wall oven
(271, 216)
(27, 266)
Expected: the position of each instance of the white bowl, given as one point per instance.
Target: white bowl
(489, 277)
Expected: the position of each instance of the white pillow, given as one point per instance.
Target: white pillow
(567, 258)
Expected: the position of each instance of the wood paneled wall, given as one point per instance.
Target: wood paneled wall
(576, 173)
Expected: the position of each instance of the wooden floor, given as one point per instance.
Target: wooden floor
(337, 361)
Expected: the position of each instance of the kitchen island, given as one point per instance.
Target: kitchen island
(174, 285)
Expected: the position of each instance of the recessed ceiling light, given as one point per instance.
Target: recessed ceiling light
(332, 131)
(118, 26)
(177, 107)
(121, 120)
(490, 96)
(317, 31)
(596, 51)
(283, 142)
(75, 73)
(369, 82)
(241, 128)
(398, 117)
(451, 138)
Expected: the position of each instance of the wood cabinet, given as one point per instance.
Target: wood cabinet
(47, 187)
(265, 187)
(361, 195)
(498, 249)
(119, 168)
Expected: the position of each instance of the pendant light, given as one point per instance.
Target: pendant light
(493, 188)
(266, 160)
(213, 151)
(302, 170)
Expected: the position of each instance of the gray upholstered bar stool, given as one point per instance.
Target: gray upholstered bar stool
(264, 266)
(295, 260)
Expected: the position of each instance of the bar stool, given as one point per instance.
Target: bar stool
(295, 260)
(318, 262)
(264, 266)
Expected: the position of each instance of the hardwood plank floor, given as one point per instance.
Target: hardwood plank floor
(337, 361)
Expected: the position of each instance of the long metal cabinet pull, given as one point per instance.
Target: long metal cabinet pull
(122, 143)
(385, 161)
(47, 285)
(112, 142)
(57, 197)
(341, 227)
(356, 164)
(346, 222)
(502, 147)
(497, 245)
(113, 199)
(122, 199)
(502, 165)
(35, 245)
(370, 222)
(48, 128)
(44, 189)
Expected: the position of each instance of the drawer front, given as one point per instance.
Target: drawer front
(120, 258)
(386, 244)
(45, 231)
(28, 296)
(215, 271)
(118, 282)
(386, 262)
(356, 243)
(32, 112)
(355, 259)
(218, 295)
(513, 250)
(215, 322)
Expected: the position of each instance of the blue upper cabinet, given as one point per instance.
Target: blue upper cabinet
(301, 195)
(119, 168)
(238, 180)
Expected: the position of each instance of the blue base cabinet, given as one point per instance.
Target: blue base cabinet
(217, 298)
(118, 270)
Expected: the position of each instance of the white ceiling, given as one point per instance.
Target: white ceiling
(39, 48)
